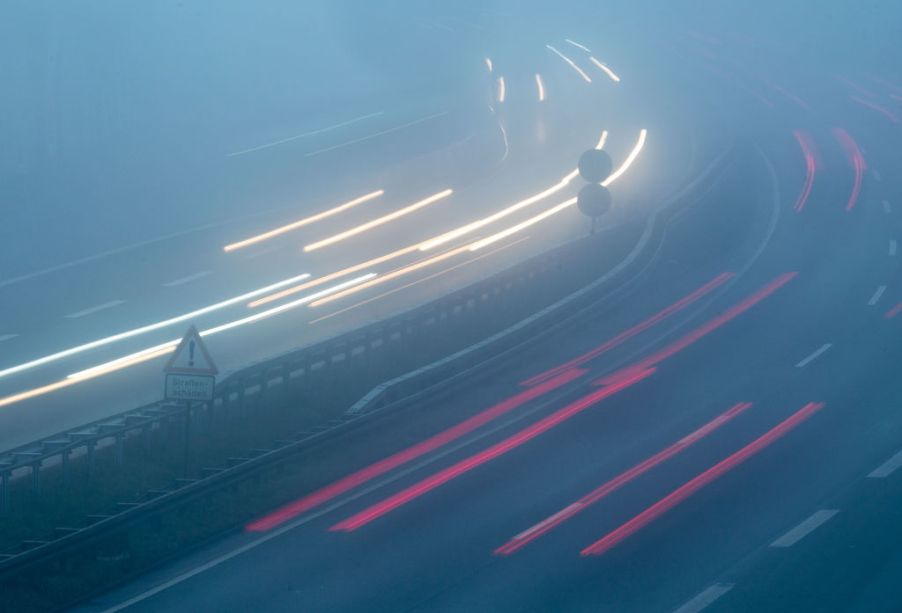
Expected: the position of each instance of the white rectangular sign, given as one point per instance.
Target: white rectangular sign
(189, 387)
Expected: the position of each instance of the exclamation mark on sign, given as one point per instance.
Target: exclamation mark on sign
(191, 353)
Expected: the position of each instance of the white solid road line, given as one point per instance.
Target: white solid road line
(887, 468)
(814, 355)
(261, 253)
(817, 519)
(886, 207)
(377, 134)
(706, 598)
(187, 279)
(892, 246)
(7, 337)
(876, 297)
(92, 310)
(305, 134)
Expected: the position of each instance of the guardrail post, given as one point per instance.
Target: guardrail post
(368, 338)
(264, 387)
(145, 438)
(118, 449)
(308, 367)
(186, 441)
(241, 386)
(208, 412)
(89, 447)
(286, 377)
(36, 478)
(5, 495)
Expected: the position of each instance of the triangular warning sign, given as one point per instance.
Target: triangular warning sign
(191, 357)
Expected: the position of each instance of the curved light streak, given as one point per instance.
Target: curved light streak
(302, 222)
(602, 140)
(573, 65)
(522, 225)
(435, 241)
(611, 74)
(488, 64)
(168, 347)
(331, 276)
(502, 90)
(637, 148)
(422, 280)
(389, 276)
(541, 87)
(289, 305)
(479, 244)
(807, 146)
(131, 359)
(38, 391)
(316, 299)
(479, 223)
(378, 221)
(148, 328)
(577, 45)
(507, 144)
(856, 159)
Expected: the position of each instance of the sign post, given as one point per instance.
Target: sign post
(190, 377)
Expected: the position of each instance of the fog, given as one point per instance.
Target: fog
(374, 219)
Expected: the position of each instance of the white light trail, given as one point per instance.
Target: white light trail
(522, 225)
(541, 87)
(637, 148)
(148, 328)
(303, 222)
(613, 76)
(572, 64)
(162, 349)
(432, 243)
(378, 221)
(577, 45)
(479, 223)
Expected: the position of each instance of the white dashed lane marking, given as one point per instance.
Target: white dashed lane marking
(876, 297)
(706, 598)
(817, 519)
(96, 309)
(814, 356)
(377, 134)
(187, 279)
(887, 468)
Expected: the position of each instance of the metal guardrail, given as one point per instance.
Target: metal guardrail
(258, 378)
(235, 390)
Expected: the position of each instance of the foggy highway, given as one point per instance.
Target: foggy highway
(722, 435)
(381, 177)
